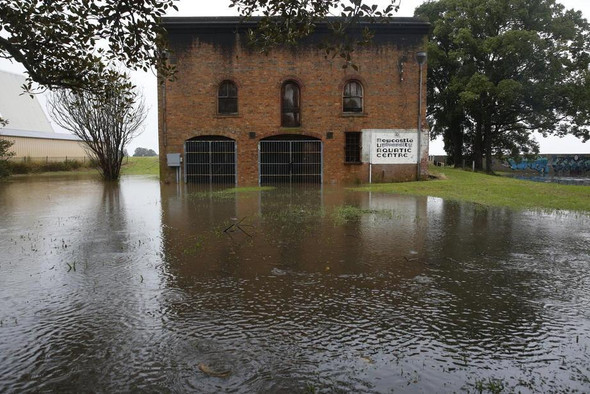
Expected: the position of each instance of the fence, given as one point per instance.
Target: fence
(54, 159)
(50, 159)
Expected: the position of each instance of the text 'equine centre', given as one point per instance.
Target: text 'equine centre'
(294, 115)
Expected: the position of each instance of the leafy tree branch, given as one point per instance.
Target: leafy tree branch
(77, 44)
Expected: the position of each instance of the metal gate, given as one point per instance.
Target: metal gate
(210, 161)
(285, 161)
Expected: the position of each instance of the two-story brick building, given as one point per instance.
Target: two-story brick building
(236, 115)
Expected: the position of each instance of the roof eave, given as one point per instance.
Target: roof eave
(393, 25)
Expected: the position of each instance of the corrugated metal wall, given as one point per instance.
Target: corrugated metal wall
(46, 149)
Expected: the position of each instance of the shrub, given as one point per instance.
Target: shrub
(5, 154)
(28, 166)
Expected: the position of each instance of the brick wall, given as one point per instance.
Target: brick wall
(188, 105)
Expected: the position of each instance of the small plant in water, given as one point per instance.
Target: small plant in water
(229, 193)
(494, 386)
(310, 388)
(348, 213)
(194, 248)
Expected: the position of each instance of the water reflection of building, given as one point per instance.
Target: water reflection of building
(303, 286)
(414, 281)
(292, 230)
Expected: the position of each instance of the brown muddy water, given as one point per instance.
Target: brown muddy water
(137, 287)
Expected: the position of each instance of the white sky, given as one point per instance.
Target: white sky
(147, 81)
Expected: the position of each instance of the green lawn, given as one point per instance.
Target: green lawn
(141, 166)
(492, 190)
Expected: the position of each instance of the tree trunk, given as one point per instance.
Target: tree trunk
(488, 146)
(478, 146)
(457, 141)
(453, 138)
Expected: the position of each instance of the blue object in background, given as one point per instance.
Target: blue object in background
(574, 165)
(541, 165)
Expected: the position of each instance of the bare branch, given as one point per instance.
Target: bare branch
(105, 123)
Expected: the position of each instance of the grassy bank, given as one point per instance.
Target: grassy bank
(38, 167)
(141, 166)
(131, 166)
(456, 184)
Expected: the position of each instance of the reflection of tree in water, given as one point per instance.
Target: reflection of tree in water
(108, 231)
(93, 317)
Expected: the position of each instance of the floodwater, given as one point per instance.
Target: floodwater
(139, 287)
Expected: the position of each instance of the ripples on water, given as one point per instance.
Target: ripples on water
(131, 288)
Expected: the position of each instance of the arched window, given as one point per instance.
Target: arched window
(290, 105)
(227, 98)
(352, 99)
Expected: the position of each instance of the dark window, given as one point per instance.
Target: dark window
(352, 147)
(352, 100)
(290, 105)
(227, 98)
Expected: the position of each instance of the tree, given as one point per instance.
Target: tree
(501, 69)
(5, 155)
(287, 22)
(143, 152)
(105, 122)
(78, 45)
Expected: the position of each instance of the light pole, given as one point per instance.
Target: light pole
(421, 59)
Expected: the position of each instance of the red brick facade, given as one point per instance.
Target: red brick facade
(208, 51)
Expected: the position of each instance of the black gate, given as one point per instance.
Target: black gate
(210, 161)
(290, 161)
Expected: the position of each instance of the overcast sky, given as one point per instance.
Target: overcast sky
(147, 81)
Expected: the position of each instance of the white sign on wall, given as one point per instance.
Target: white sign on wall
(399, 147)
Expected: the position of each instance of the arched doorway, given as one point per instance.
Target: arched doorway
(287, 158)
(210, 159)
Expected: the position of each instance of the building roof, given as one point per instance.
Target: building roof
(22, 111)
(8, 132)
(399, 24)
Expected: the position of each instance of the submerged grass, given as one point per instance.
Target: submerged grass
(494, 386)
(294, 214)
(229, 193)
(490, 190)
(349, 213)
